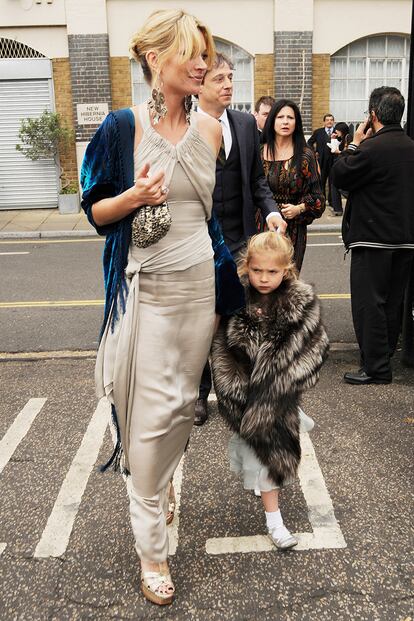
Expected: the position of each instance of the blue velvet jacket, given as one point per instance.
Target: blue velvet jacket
(108, 170)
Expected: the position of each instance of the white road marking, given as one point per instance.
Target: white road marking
(18, 430)
(3, 546)
(55, 537)
(6, 254)
(326, 532)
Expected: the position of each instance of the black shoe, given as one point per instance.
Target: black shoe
(360, 378)
(201, 412)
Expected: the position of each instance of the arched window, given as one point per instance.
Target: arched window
(243, 77)
(364, 65)
(9, 48)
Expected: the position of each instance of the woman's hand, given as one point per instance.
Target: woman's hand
(147, 190)
(290, 211)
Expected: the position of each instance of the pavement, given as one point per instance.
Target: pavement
(43, 223)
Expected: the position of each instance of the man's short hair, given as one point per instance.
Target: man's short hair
(388, 104)
(222, 59)
(266, 100)
(325, 116)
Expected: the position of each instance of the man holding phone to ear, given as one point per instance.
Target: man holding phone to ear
(377, 170)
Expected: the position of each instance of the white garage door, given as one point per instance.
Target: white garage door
(25, 91)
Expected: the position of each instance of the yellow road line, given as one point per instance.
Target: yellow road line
(328, 233)
(69, 303)
(88, 240)
(51, 303)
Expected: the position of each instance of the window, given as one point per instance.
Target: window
(243, 77)
(364, 65)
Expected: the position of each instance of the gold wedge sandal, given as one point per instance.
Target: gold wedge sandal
(157, 587)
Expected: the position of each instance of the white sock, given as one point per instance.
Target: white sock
(274, 520)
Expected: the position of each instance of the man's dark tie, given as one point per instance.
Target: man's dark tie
(222, 153)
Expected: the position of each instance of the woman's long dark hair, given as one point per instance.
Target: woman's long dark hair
(298, 137)
(346, 136)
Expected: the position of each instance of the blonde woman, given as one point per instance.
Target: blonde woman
(160, 299)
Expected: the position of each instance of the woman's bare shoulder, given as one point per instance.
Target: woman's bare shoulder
(210, 129)
(205, 121)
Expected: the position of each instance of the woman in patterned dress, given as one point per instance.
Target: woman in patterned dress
(292, 173)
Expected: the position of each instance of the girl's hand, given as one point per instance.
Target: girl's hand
(290, 211)
(147, 190)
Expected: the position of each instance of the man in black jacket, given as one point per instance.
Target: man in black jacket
(319, 141)
(378, 227)
(241, 185)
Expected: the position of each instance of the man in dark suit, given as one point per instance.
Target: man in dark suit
(318, 141)
(241, 186)
(378, 227)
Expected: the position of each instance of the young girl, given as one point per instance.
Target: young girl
(263, 358)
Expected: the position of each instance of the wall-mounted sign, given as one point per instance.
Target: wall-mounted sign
(91, 114)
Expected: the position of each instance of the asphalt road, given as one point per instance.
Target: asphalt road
(66, 548)
(362, 445)
(51, 292)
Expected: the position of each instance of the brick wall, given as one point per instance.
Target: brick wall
(89, 64)
(121, 87)
(320, 88)
(293, 70)
(64, 107)
(264, 73)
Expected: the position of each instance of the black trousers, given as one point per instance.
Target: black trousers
(325, 170)
(378, 281)
(336, 199)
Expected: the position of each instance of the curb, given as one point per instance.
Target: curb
(320, 228)
(45, 234)
(317, 228)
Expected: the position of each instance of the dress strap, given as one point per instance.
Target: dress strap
(193, 118)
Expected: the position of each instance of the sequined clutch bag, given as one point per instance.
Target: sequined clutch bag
(150, 224)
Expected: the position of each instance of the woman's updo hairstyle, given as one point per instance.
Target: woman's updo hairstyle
(167, 33)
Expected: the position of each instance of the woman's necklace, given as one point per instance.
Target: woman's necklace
(285, 154)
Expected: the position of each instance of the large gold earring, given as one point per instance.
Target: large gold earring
(156, 105)
(188, 104)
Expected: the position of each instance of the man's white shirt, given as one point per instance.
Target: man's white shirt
(228, 141)
(225, 128)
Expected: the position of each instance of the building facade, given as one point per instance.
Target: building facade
(71, 56)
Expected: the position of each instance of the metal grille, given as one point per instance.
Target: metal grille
(13, 49)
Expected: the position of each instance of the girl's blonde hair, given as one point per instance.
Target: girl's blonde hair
(167, 33)
(269, 242)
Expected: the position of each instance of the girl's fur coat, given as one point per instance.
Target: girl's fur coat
(262, 360)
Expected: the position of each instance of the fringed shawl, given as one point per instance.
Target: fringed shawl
(108, 170)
